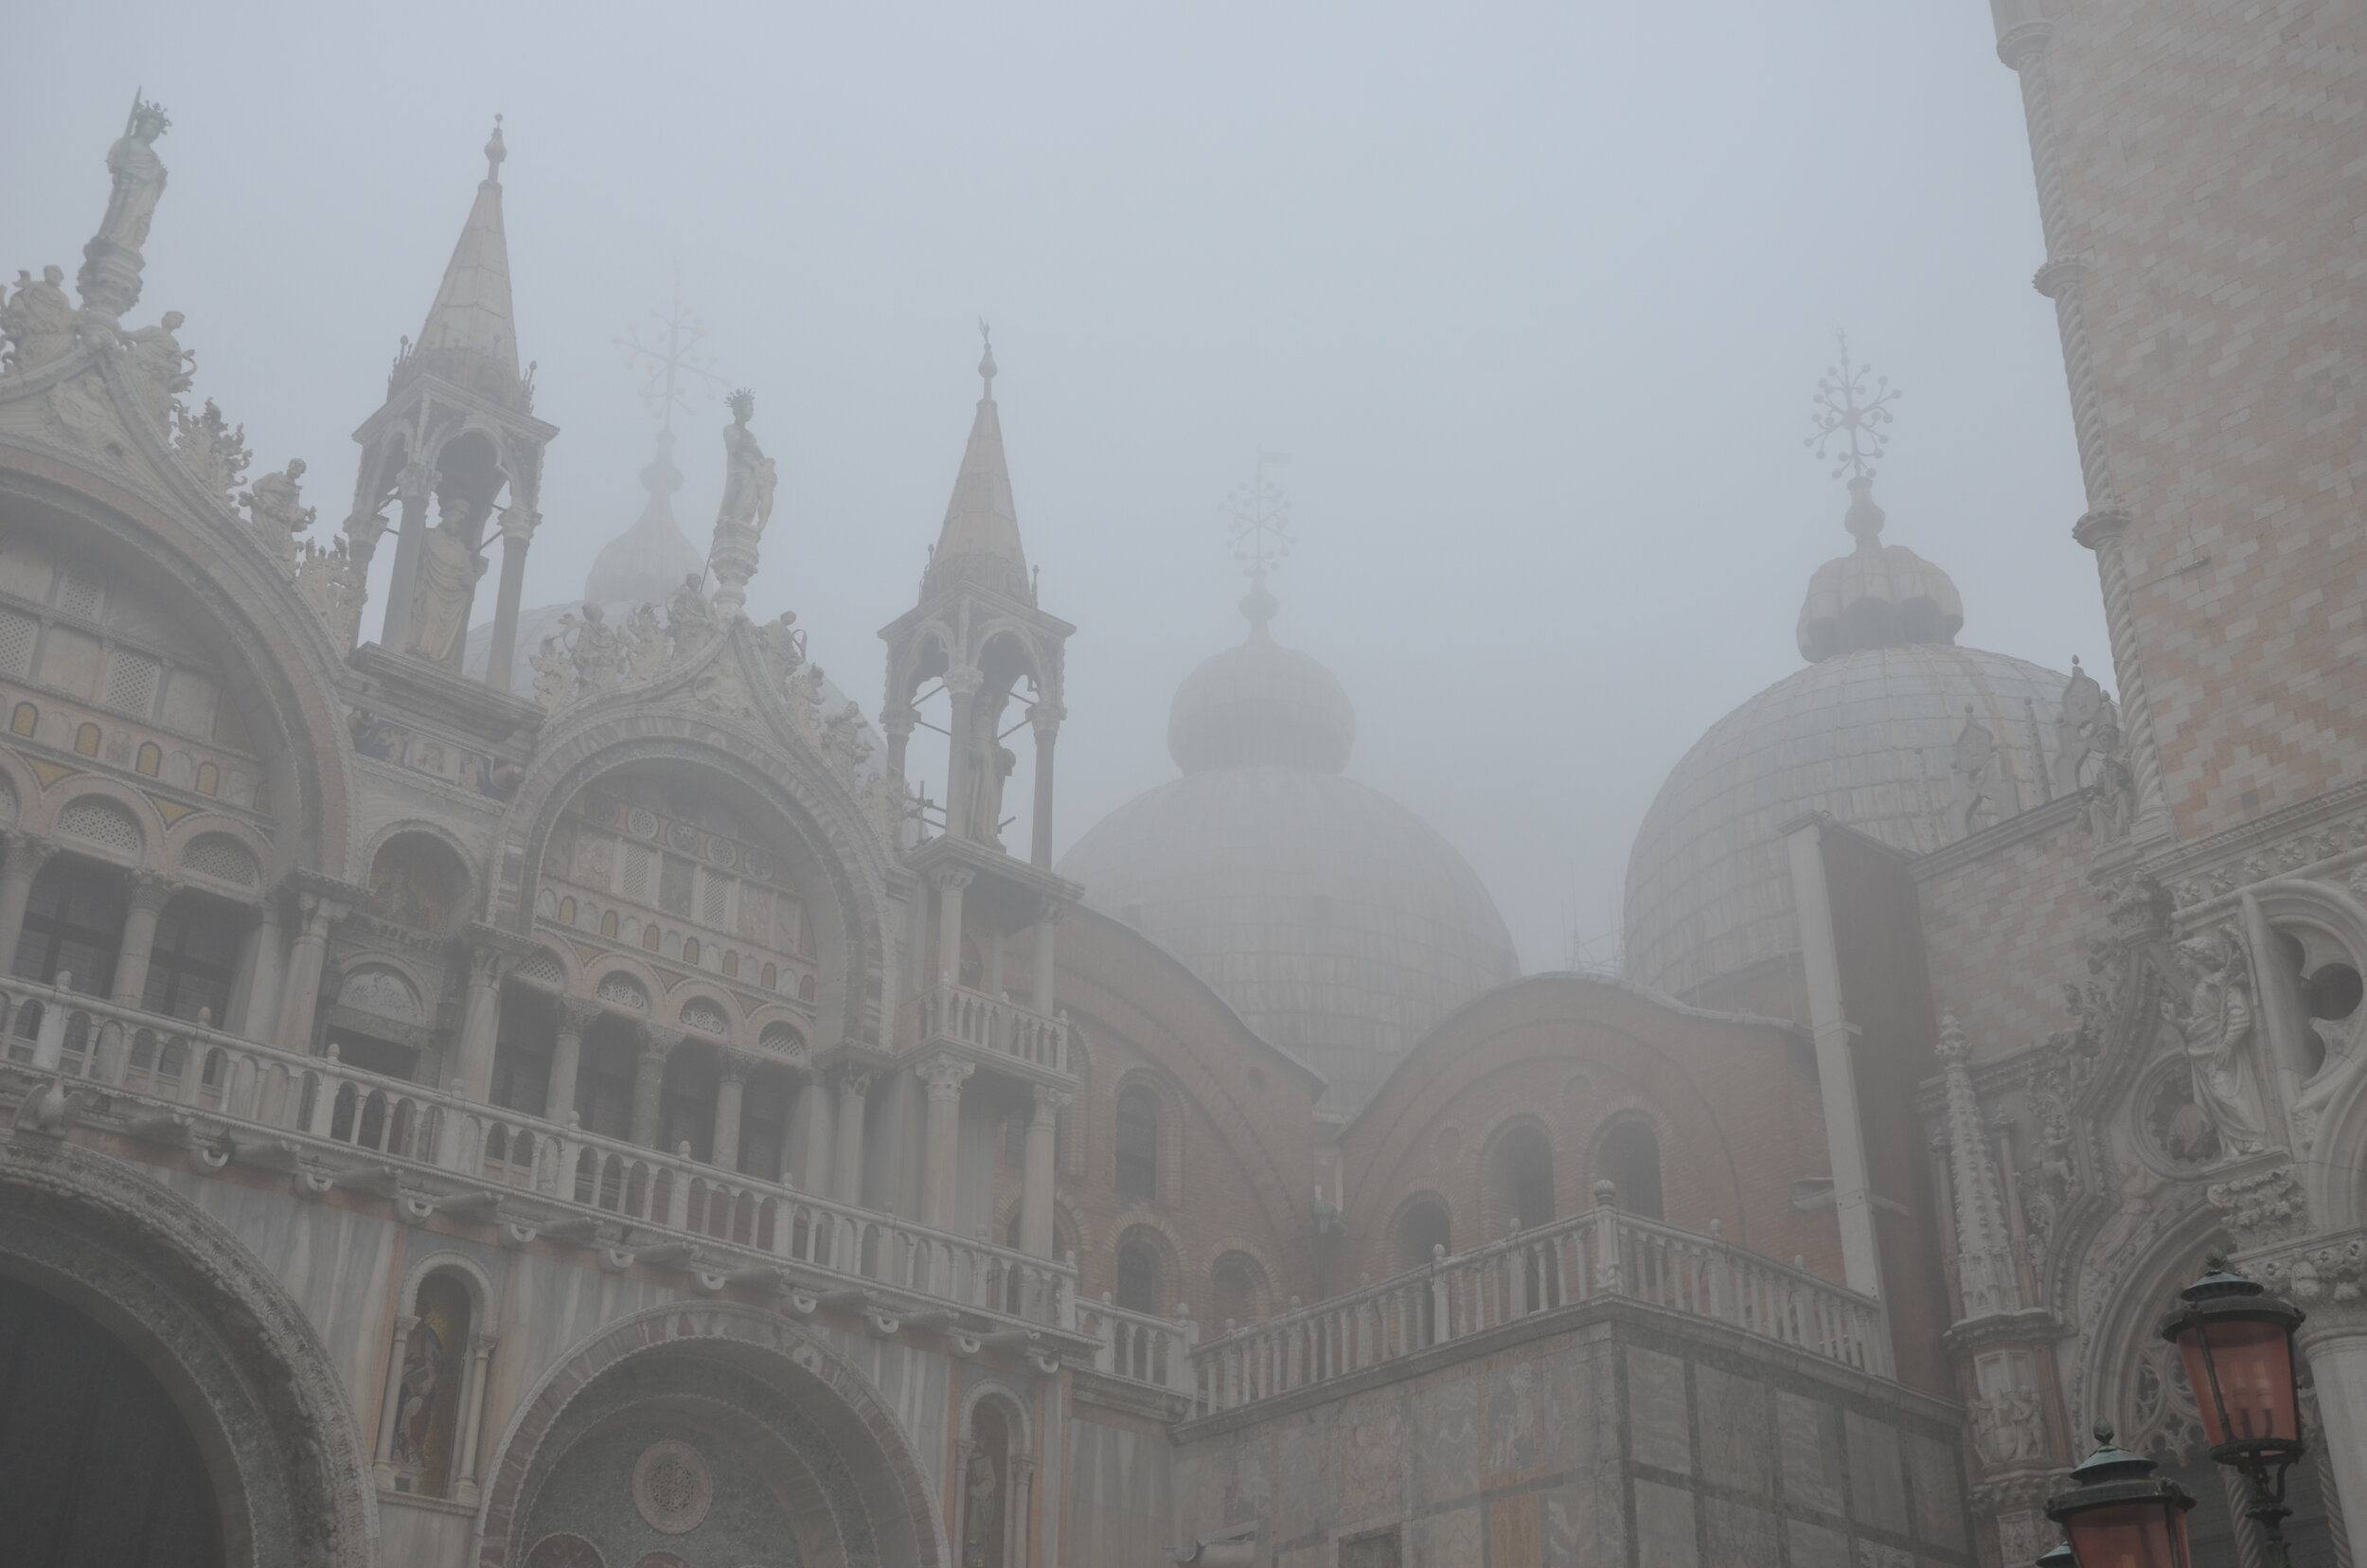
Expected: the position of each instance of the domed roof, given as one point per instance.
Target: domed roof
(1869, 732)
(1339, 925)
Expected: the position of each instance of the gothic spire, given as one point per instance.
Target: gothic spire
(979, 543)
(1984, 1262)
(470, 336)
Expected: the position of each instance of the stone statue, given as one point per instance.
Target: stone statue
(642, 644)
(326, 579)
(275, 506)
(689, 619)
(139, 179)
(440, 598)
(784, 645)
(2112, 799)
(749, 476)
(594, 654)
(554, 677)
(844, 738)
(2083, 705)
(2216, 1022)
(159, 367)
(804, 698)
(982, 1535)
(989, 771)
(38, 321)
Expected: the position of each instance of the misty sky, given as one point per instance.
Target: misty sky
(1535, 296)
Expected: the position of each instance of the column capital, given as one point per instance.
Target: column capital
(1050, 1102)
(2101, 525)
(518, 525)
(25, 851)
(414, 481)
(1052, 912)
(487, 965)
(658, 1044)
(964, 680)
(852, 1080)
(578, 1013)
(1046, 718)
(951, 879)
(152, 890)
(2021, 46)
(945, 1075)
(733, 1067)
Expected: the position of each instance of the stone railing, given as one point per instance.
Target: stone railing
(989, 1023)
(465, 1153)
(1597, 1256)
(1139, 1347)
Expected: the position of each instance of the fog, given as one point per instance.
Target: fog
(1535, 297)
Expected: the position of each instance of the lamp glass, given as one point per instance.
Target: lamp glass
(2142, 1533)
(2254, 1361)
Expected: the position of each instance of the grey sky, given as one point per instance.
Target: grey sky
(1535, 296)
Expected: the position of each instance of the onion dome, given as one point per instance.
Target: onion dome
(1339, 924)
(1876, 733)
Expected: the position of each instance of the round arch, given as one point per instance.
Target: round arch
(641, 1354)
(825, 827)
(241, 1362)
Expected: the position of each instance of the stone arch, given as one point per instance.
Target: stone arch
(822, 823)
(1147, 1240)
(1517, 1175)
(208, 847)
(1140, 1089)
(135, 844)
(2137, 1286)
(420, 876)
(237, 599)
(1259, 1277)
(240, 1360)
(1630, 1150)
(20, 789)
(1419, 1221)
(894, 1490)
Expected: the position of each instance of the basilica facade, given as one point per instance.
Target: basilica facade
(564, 1086)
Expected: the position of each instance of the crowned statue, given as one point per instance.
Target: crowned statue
(110, 280)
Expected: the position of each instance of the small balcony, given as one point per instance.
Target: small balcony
(996, 1031)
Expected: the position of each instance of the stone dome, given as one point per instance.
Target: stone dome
(1339, 925)
(1867, 733)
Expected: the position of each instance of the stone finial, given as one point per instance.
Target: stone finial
(495, 151)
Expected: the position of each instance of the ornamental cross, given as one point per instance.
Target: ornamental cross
(1847, 408)
(676, 376)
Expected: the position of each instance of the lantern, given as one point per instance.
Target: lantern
(2060, 1555)
(2237, 1342)
(2119, 1514)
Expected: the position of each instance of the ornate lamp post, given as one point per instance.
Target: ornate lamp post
(2118, 1514)
(2236, 1340)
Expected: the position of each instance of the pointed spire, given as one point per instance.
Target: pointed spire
(471, 337)
(979, 543)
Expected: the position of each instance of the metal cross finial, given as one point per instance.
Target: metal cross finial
(1847, 408)
(675, 374)
(1259, 518)
(985, 360)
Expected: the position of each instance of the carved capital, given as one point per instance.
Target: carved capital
(964, 680)
(2024, 43)
(658, 1044)
(1052, 912)
(2101, 527)
(152, 890)
(951, 879)
(414, 483)
(578, 1013)
(2262, 1206)
(850, 1079)
(736, 1068)
(1050, 1102)
(25, 852)
(1046, 718)
(518, 525)
(2326, 1277)
(945, 1076)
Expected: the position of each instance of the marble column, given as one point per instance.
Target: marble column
(649, 1084)
(517, 525)
(963, 682)
(480, 1022)
(1041, 972)
(731, 1088)
(811, 1123)
(1035, 1202)
(151, 892)
(264, 972)
(390, 1410)
(2334, 1342)
(412, 488)
(853, 1088)
(950, 881)
(464, 1483)
(25, 855)
(941, 1140)
(1046, 718)
(575, 1014)
(299, 999)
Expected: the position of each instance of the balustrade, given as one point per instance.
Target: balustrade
(991, 1024)
(320, 1098)
(1598, 1255)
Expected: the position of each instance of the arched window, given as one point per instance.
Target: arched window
(604, 1078)
(1421, 1226)
(1629, 1159)
(526, 1040)
(687, 1101)
(1138, 1145)
(428, 1387)
(74, 925)
(193, 960)
(1521, 1180)
(1138, 1276)
(764, 1123)
(1237, 1290)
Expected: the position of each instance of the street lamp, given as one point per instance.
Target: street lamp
(2118, 1514)
(2236, 1340)
(2058, 1556)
